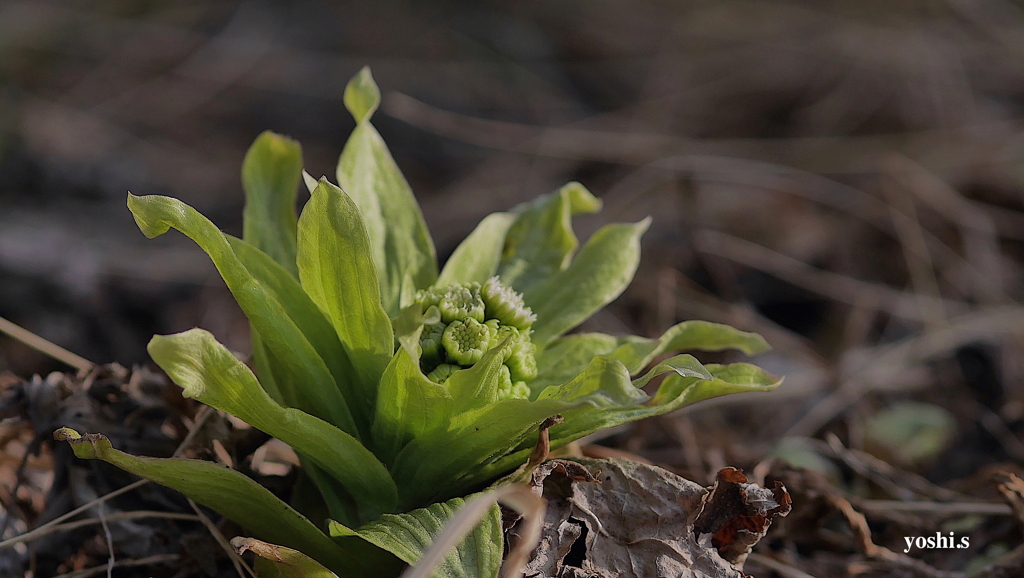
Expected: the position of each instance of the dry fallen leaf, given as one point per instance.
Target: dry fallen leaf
(737, 513)
(626, 519)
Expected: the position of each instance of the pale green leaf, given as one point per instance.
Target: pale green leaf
(678, 391)
(516, 497)
(604, 383)
(445, 462)
(476, 445)
(541, 242)
(310, 182)
(599, 273)
(208, 372)
(301, 310)
(270, 177)
(685, 365)
(340, 504)
(408, 404)
(477, 256)
(290, 325)
(273, 561)
(399, 241)
(264, 365)
(362, 97)
(337, 272)
(409, 535)
(637, 352)
(477, 386)
(233, 495)
(612, 399)
(565, 357)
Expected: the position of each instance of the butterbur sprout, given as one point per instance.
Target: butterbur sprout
(402, 388)
(476, 318)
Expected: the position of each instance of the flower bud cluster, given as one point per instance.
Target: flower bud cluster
(473, 319)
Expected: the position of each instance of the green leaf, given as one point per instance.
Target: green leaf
(337, 272)
(684, 365)
(604, 383)
(409, 535)
(399, 241)
(599, 273)
(541, 241)
(678, 391)
(270, 177)
(445, 462)
(264, 365)
(476, 444)
(310, 182)
(290, 325)
(273, 561)
(362, 97)
(611, 399)
(314, 327)
(231, 494)
(477, 256)
(567, 356)
(637, 352)
(208, 372)
(339, 502)
(477, 386)
(408, 404)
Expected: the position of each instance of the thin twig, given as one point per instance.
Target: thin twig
(832, 285)
(862, 533)
(149, 560)
(937, 508)
(919, 261)
(43, 346)
(857, 153)
(782, 568)
(45, 528)
(898, 483)
(769, 177)
(116, 517)
(977, 228)
(881, 370)
(236, 560)
(109, 539)
(202, 416)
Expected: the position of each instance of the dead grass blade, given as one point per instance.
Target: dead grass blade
(517, 497)
(43, 346)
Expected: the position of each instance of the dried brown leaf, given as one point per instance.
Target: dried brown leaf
(639, 521)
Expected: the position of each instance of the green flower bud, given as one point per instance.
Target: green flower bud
(442, 372)
(428, 298)
(466, 340)
(506, 305)
(473, 320)
(507, 389)
(503, 332)
(520, 390)
(430, 344)
(459, 302)
(504, 382)
(522, 363)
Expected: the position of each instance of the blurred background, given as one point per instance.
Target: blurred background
(845, 177)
